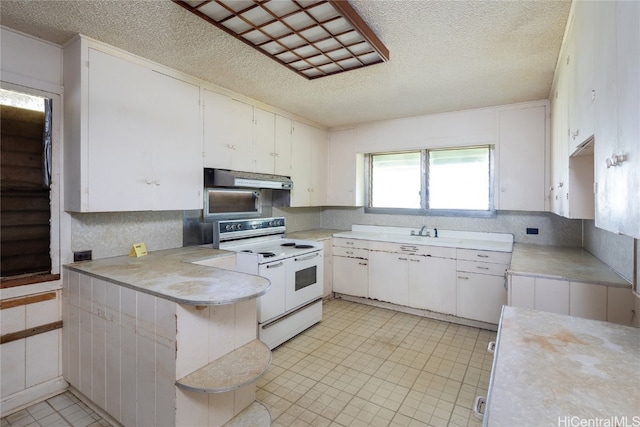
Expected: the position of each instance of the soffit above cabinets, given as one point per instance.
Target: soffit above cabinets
(314, 38)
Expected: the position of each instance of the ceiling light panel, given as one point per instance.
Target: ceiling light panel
(314, 38)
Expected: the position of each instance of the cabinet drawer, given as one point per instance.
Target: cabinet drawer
(350, 243)
(484, 256)
(404, 248)
(481, 267)
(350, 252)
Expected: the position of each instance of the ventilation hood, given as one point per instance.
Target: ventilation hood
(238, 179)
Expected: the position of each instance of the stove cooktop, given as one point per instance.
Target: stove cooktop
(273, 249)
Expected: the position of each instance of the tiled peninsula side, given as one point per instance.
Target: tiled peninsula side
(165, 339)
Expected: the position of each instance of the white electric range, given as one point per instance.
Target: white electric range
(294, 267)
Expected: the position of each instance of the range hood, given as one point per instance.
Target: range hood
(238, 179)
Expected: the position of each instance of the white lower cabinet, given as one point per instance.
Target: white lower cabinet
(389, 277)
(432, 284)
(481, 284)
(480, 296)
(552, 295)
(586, 300)
(351, 276)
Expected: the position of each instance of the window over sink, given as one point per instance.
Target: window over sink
(443, 181)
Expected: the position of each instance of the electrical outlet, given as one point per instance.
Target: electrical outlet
(532, 230)
(82, 256)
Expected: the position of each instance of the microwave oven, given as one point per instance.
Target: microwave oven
(231, 203)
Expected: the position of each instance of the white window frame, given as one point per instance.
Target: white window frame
(424, 210)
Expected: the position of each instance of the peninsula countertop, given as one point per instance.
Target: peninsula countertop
(572, 264)
(550, 367)
(173, 274)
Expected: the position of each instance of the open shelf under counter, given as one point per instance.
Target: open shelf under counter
(233, 370)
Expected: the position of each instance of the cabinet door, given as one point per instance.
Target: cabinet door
(582, 69)
(119, 166)
(318, 162)
(217, 130)
(283, 132)
(432, 284)
(264, 152)
(480, 297)
(588, 301)
(177, 145)
(388, 278)
(521, 291)
(345, 170)
(351, 276)
(522, 159)
(241, 147)
(617, 112)
(620, 305)
(552, 295)
(300, 165)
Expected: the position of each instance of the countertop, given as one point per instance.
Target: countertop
(171, 274)
(550, 366)
(459, 240)
(571, 264)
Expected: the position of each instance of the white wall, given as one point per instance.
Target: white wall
(31, 368)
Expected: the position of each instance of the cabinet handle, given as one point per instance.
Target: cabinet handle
(482, 268)
(149, 181)
(414, 260)
(402, 259)
(362, 263)
(483, 256)
(280, 264)
(349, 252)
(463, 277)
(231, 147)
(349, 243)
(157, 182)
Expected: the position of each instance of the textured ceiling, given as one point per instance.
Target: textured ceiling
(446, 55)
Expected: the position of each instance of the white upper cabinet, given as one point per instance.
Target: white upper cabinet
(218, 151)
(239, 136)
(308, 166)
(133, 139)
(617, 144)
(265, 140)
(345, 167)
(581, 69)
(571, 187)
(522, 134)
(282, 149)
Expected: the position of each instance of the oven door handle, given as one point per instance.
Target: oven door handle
(278, 264)
(307, 257)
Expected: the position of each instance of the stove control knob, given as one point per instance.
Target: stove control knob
(228, 227)
(239, 226)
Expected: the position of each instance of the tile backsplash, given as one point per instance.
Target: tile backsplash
(110, 234)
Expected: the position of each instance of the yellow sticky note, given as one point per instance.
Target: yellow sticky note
(138, 250)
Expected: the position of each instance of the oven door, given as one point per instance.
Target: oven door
(272, 304)
(304, 279)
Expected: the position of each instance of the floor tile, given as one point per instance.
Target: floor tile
(368, 366)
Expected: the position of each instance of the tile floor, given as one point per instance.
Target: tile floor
(361, 366)
(368, 366)
(59, 411)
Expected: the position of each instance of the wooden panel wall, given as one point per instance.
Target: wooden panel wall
(25, 212)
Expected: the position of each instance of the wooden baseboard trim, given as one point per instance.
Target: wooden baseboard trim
(14, 336)
(31, 299)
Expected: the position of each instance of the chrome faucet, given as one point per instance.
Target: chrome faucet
(426, 232)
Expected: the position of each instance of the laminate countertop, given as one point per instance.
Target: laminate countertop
(555, 370)
(571, 264)
(174, 274)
